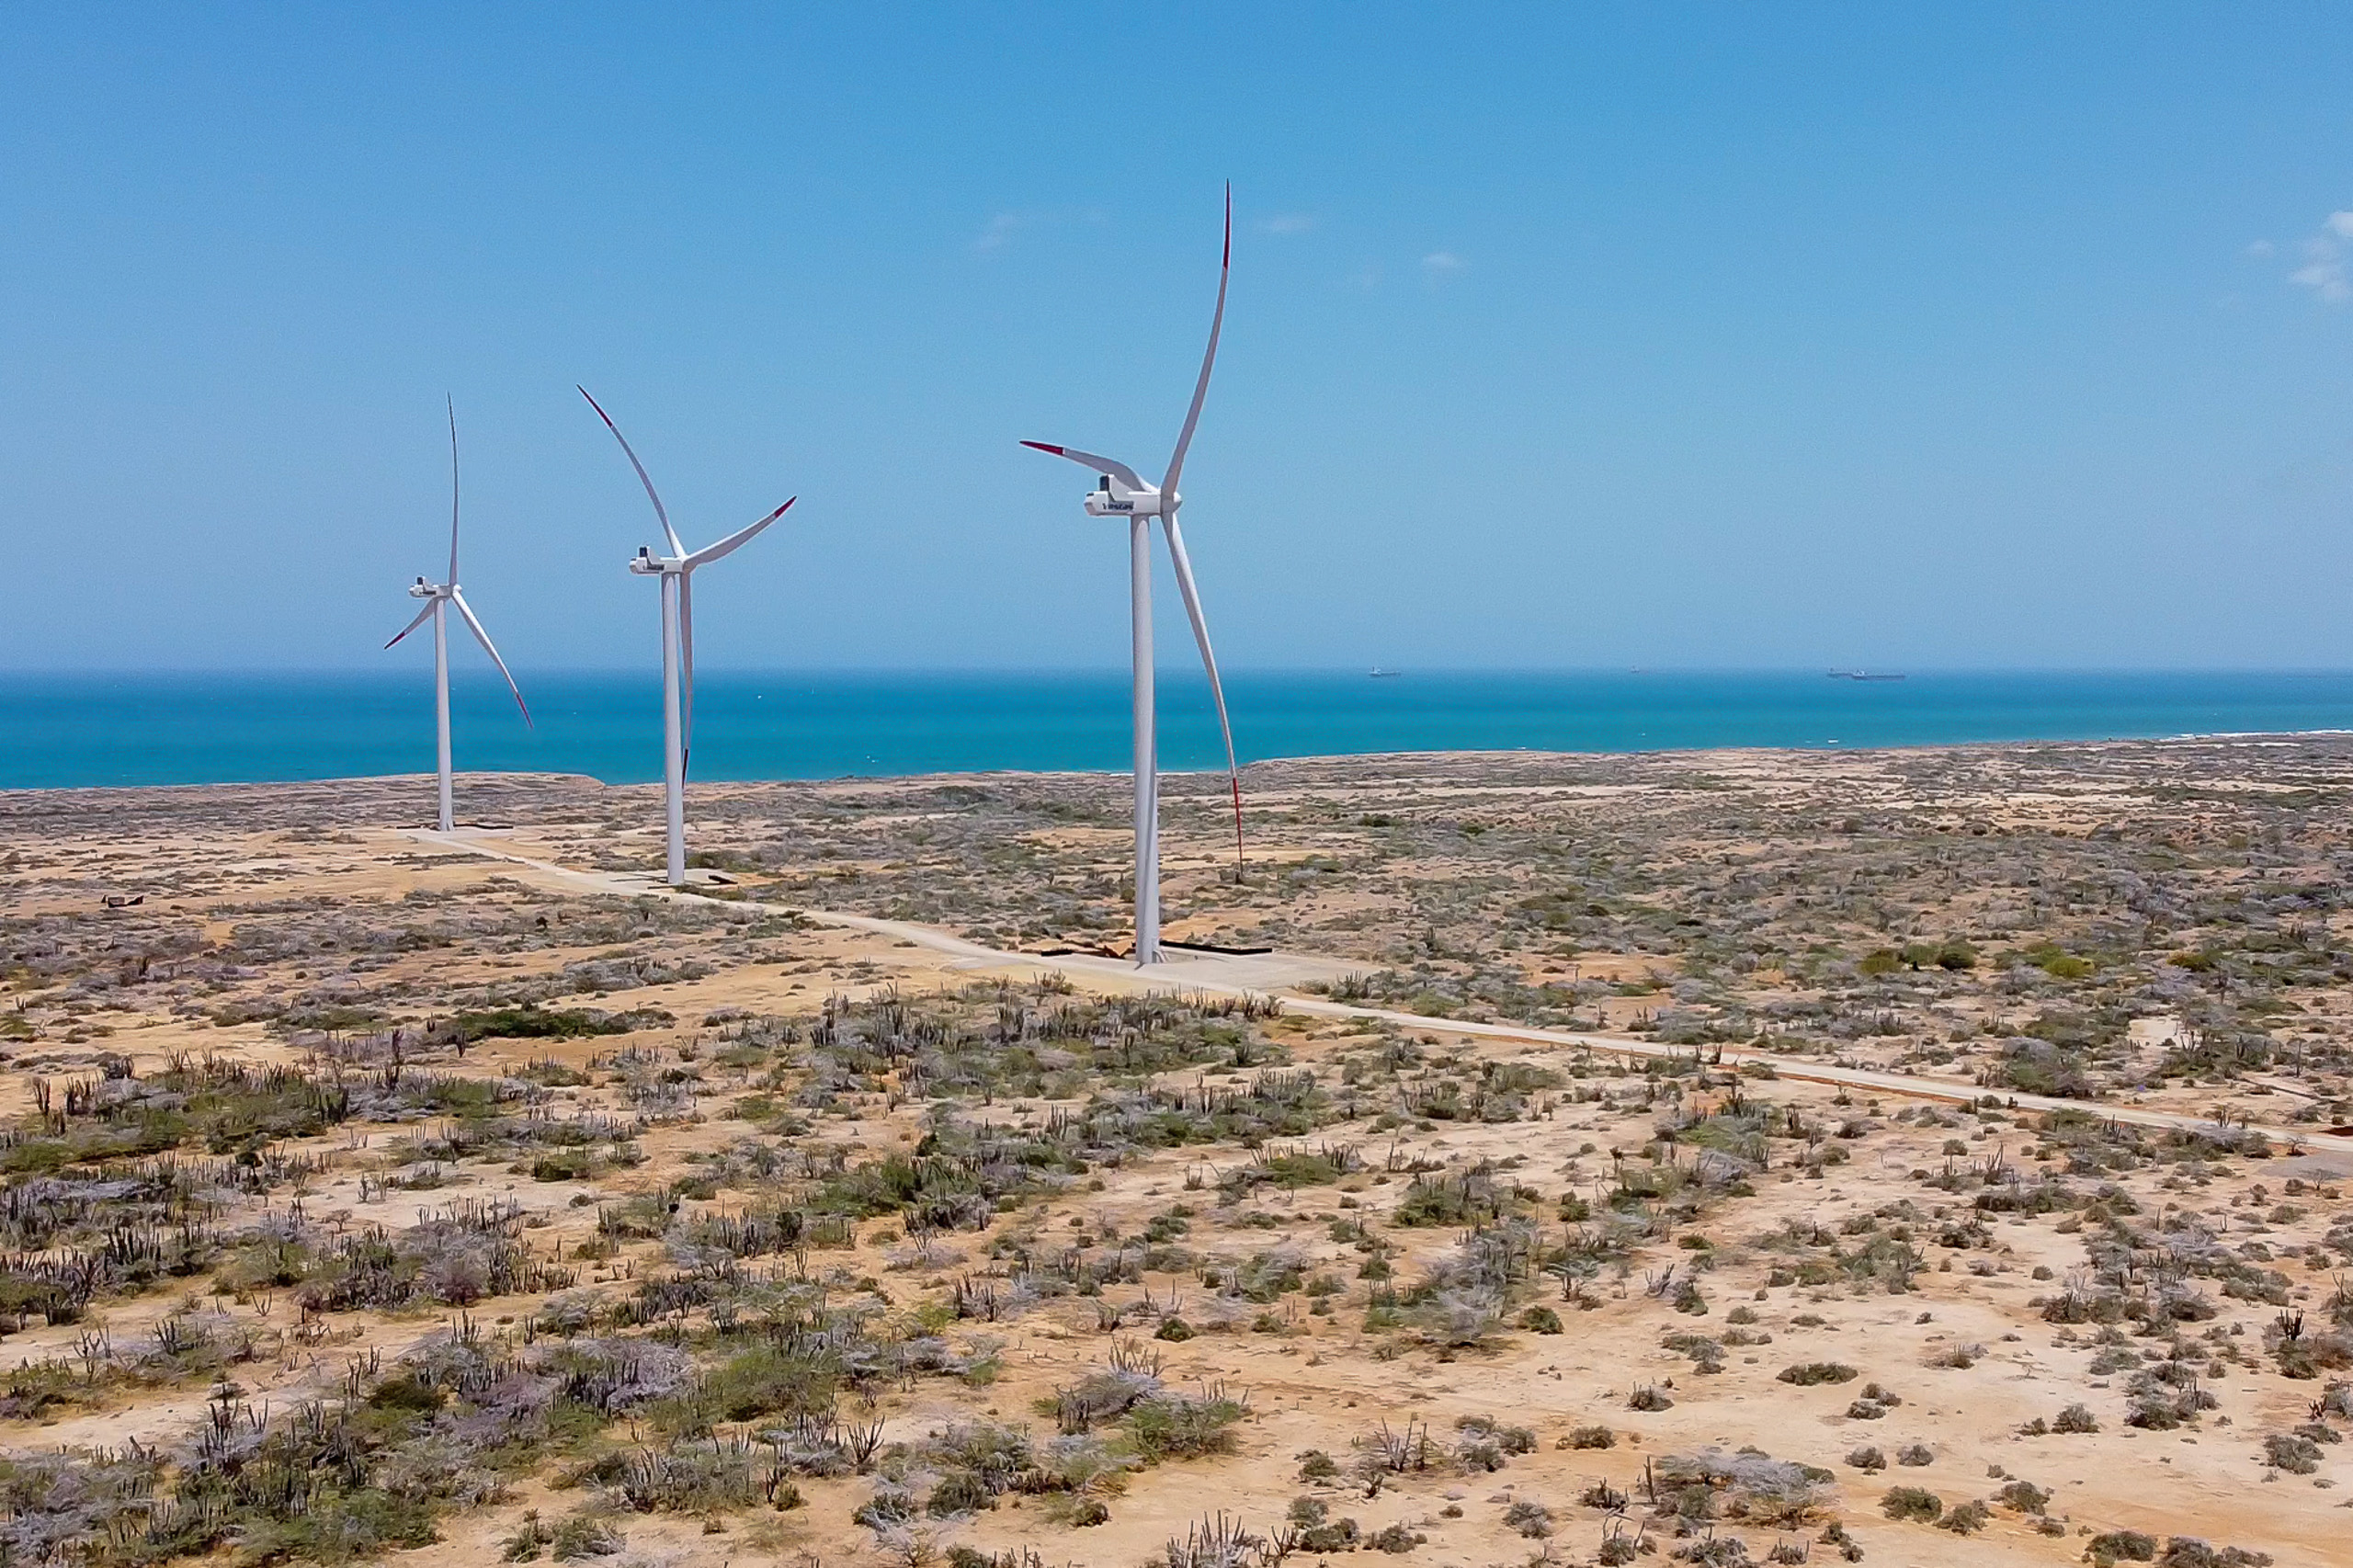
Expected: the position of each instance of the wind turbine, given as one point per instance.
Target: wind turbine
(438, 598)
(676, 572)
(1121, 493)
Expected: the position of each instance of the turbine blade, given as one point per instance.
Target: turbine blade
(686, 665)
(422, 616)
(735, 541)
(1184, 566)
(488, 647)
(453, 490)
(667, 532)
(1209, 358)
(1111, 466)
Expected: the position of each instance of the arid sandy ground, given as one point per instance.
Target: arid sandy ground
(364, 1191)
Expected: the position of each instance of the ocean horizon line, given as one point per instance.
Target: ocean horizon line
(1177, 670)
(195, 727)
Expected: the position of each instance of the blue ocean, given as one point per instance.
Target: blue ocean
(75, 729)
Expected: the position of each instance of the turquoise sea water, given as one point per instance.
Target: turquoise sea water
(179, 728)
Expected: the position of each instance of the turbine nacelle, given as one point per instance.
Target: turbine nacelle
(421, 589)
(1113, 499)
(646, 564)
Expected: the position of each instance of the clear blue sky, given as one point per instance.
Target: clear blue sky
(1725, 336)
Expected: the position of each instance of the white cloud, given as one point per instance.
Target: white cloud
(1288, 224)
(2324, 276)
(1439, 263)
(2260, 248)
(2324, 271)
(999, 232)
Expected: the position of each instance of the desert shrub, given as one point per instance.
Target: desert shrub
(2076, 1418)
(1967, 1519)
(1172, 1428)
(2306, 1356)
(2291, 1451)
(1706, 1355)
(992, 1454)
(1530, 1518)
(2120, 1546)
(1331, 1535)
(2037, 1067)
(1589, 1437)
(2025, 1496)
(1104, 1395)
(1917, 1504)
(1649, 1398)
(1602, 1496)
(1867, 1458)
(52, 1500)
(959, 1492)
(766, 1379)
(1806, 1374)
(1746, 1485)
(530, 1539)
(1507, 1439)
(2159, 1404)
(891, 1504)
(581, 1537)
(690, 1478)
(1916, 1454)
(1475, 1196)
(2188, 1551)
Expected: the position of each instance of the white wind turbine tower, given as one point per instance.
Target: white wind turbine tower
(1122, 493)
(676, 572)
(438, 598)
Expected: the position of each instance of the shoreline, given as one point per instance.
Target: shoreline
(496, 776)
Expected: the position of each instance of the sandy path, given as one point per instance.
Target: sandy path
(1274, 974)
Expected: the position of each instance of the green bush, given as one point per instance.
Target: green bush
(1967, 1519)
(1806, 1374)
(1170, 1428)
(2025, 1496)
